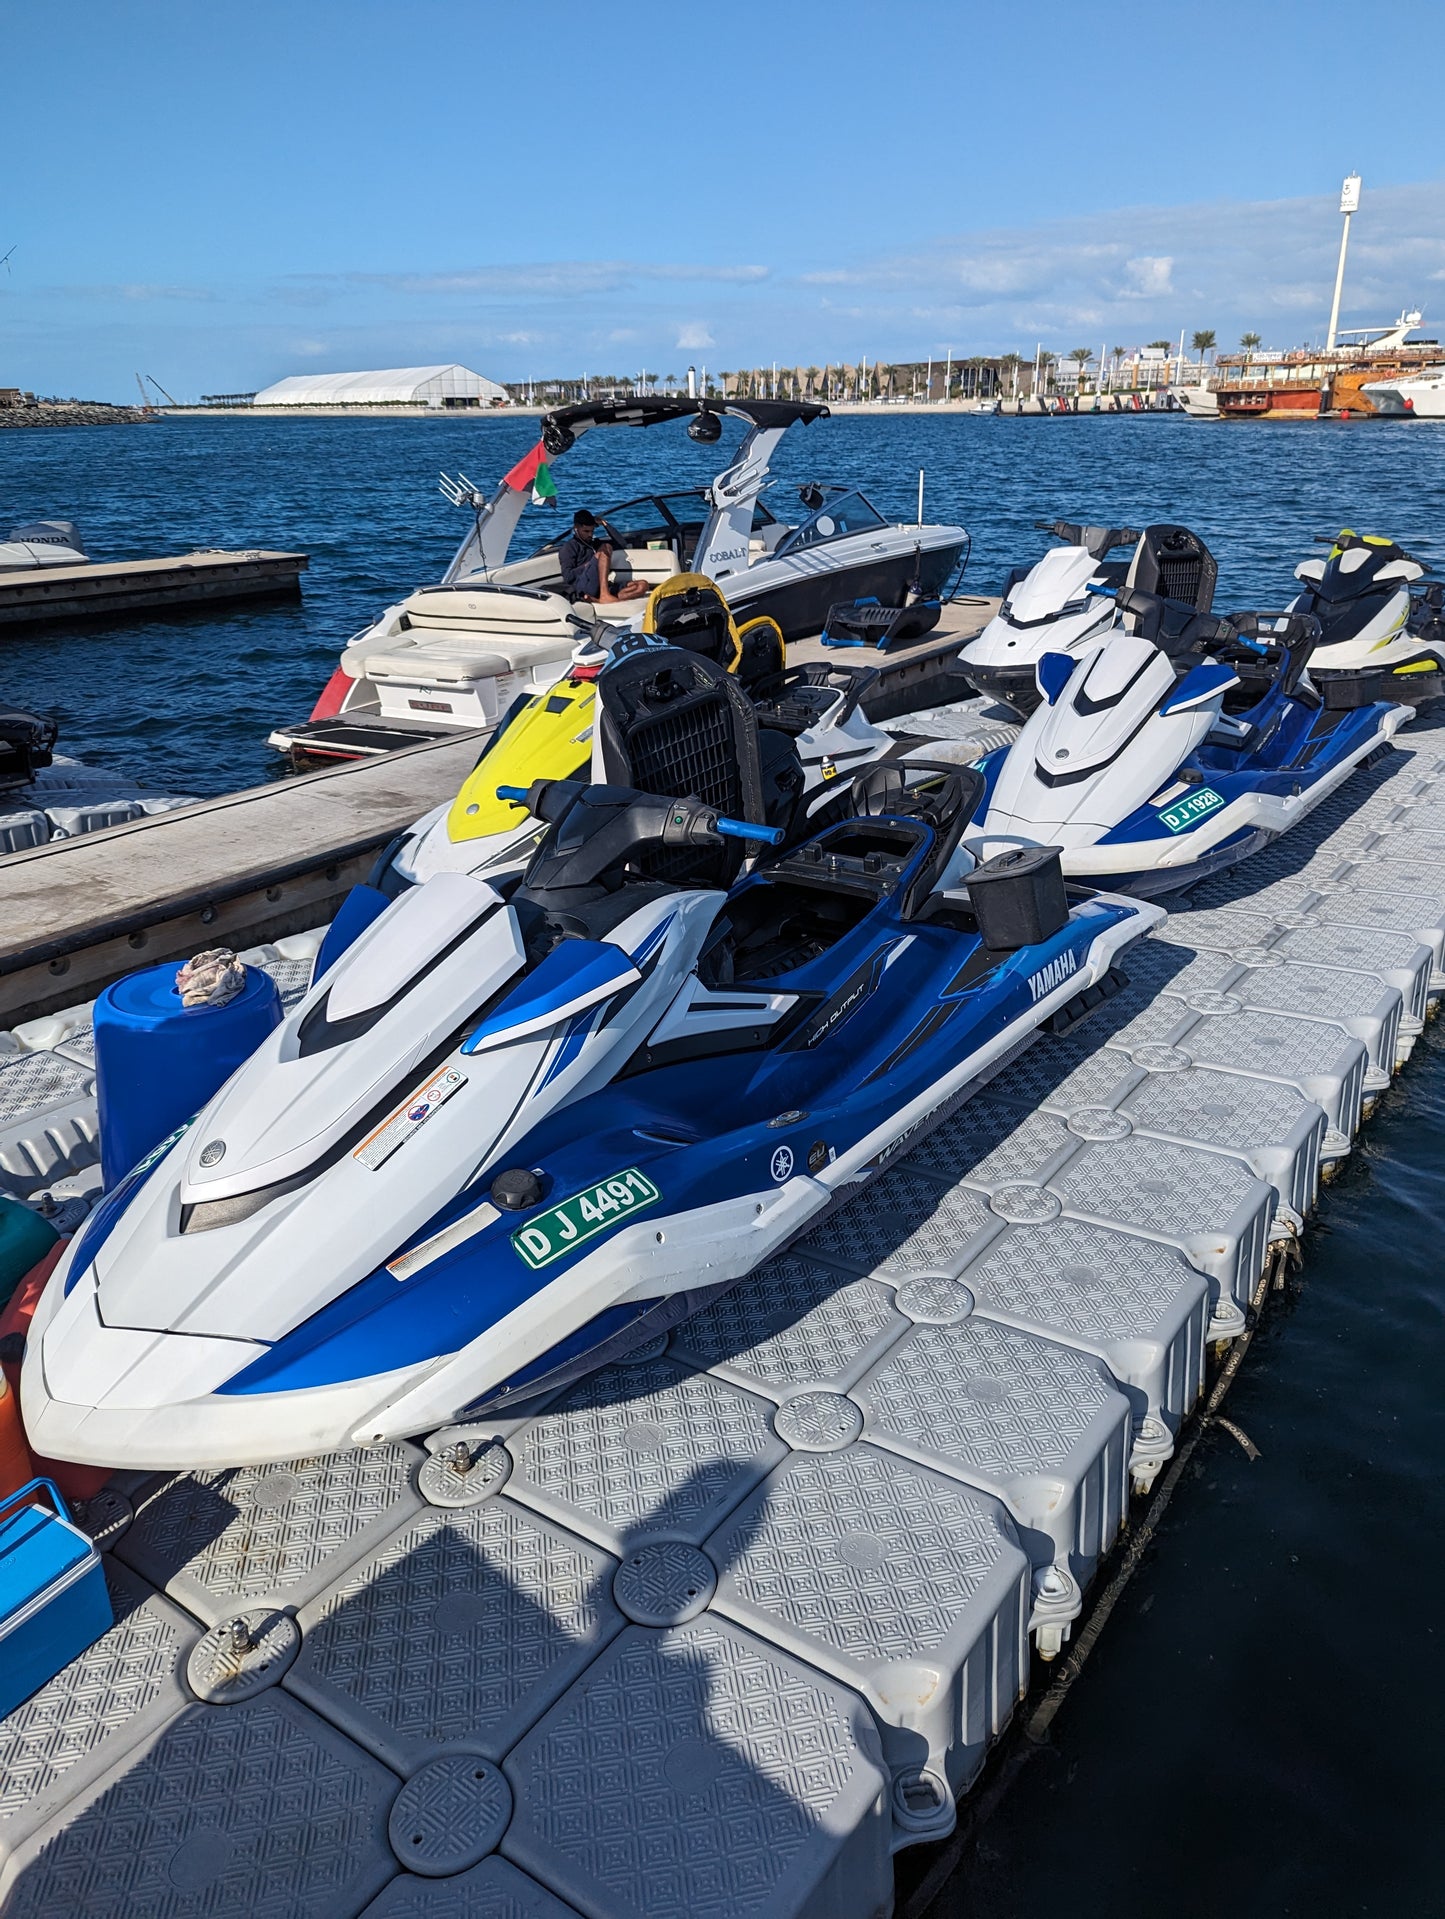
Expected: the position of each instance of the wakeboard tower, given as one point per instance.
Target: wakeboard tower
(514, 1129)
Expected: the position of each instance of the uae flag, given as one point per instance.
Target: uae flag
(533, 471)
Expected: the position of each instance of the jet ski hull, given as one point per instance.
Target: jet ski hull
(1199, 828)
(659, 1187)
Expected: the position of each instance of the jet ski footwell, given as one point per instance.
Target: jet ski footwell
(760, 1602)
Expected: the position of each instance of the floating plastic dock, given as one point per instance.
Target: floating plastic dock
(718, 1632)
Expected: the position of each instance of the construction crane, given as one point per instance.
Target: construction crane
(145, 399)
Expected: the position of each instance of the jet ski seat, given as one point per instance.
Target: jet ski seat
(1176, 564)
(946, 801)
(689, 610)
(675, 723)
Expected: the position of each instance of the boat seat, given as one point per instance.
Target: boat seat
(454, 659)
(644, 563)
(485, 608)
(460, 634)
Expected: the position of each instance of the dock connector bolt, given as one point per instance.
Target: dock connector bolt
(1153, 1447)
(1058, 1601)
(238, 1637)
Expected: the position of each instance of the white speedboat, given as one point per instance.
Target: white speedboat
(1420, 396)
(494, 630)
(43, 543)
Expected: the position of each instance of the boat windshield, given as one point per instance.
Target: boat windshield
(658, 519)
(840, 514)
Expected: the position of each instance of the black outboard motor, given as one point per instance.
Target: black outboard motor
(26, 743)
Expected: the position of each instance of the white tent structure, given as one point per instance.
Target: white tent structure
(392, 386)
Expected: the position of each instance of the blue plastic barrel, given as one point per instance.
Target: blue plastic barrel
(158, 1062)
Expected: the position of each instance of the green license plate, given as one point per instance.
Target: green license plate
(1191, 808)
(593, 1211)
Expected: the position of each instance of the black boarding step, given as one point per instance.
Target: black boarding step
(365, 738)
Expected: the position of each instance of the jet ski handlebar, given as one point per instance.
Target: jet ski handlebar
(598, 828)
(1096, 540)
(1176, 628)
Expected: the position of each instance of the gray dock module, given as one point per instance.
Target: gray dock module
(716, 1632)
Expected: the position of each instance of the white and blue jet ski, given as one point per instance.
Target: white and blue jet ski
(1065, 602)
(514, 1129)
(1177, 745)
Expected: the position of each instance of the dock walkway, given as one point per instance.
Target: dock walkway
(106, 589)
(717, 1632)
(77, 913)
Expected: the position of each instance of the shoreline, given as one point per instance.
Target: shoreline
(838, 409)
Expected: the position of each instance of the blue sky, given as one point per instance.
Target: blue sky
(223, 195)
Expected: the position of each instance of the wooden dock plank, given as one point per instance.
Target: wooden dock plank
(242, 868)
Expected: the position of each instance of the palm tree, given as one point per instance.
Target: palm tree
(1202, 343)
(1081, 356)
(1010, 363)
(1249, 341)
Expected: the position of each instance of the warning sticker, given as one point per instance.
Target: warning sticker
(408, 1118)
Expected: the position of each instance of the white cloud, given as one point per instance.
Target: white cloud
(1148, 277)
(693, 336)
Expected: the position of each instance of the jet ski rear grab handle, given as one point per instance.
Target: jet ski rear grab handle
(719, 823)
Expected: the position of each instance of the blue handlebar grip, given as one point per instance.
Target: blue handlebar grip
(516, 794)
(744, 830)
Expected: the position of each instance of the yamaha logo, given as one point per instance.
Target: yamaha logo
(1052, 975)
(213, 1152)
(782, 1164)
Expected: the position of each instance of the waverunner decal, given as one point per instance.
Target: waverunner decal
(395, 1130)
(582, 1217)
(1185, 812)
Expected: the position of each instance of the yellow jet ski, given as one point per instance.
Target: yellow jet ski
(551, 735)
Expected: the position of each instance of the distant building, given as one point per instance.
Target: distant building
(438, 386)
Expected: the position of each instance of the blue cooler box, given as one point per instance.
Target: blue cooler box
(53, 1597)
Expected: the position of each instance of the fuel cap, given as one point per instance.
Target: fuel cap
(516, 1189)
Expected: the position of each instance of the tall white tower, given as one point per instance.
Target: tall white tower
(1349, 204)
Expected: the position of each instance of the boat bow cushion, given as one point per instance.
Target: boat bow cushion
(456, 659)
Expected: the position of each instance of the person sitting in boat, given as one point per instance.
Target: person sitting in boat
(587, 560)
